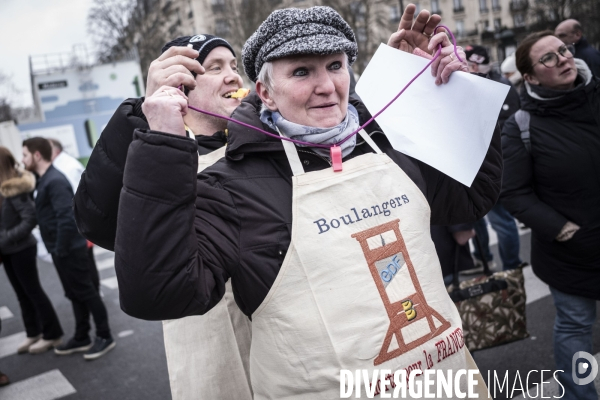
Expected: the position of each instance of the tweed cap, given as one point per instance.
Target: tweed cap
(203, 44)
(292, 31)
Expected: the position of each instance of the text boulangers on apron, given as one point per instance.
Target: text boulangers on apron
(355, 216)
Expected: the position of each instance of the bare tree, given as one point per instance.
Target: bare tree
(123, 26)
(546, 14)
(108, 21)
(8, 97)
(369, 20)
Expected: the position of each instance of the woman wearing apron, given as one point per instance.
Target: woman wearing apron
(336, 269)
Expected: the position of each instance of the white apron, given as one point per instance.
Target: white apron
(360, 287)
(207, 355)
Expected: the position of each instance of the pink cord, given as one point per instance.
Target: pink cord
(328, 146)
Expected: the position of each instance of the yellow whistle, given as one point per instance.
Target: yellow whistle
(241, 93)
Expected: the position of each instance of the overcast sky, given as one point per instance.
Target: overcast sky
(35, 27)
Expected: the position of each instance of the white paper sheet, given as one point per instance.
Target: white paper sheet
(448, 127)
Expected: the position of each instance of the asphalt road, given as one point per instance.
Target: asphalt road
(136, 368)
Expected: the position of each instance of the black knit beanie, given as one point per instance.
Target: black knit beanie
(204, 44)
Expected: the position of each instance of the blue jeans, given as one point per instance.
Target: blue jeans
(575, 318)
(508, 237)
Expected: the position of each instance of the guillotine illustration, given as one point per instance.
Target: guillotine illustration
(403, 299)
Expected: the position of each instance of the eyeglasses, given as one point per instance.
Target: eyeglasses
(549, 60)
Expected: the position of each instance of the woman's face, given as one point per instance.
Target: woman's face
(562, 76)
(310, 90)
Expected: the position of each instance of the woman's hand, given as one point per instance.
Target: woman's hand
(414, 36)
(165, 109)
(173, 68)
(417, 39)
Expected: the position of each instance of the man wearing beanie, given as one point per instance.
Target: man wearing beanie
(199, 349)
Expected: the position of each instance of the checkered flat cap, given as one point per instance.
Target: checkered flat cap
(292, 31)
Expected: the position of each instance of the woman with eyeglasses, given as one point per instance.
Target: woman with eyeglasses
(552, 184)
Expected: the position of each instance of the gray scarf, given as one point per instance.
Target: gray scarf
(316, 135)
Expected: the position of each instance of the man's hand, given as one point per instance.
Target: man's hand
(173, 68)
(165, 110)
(417, 39)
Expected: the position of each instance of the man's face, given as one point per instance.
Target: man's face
(220, 79)
(566, 33)
(28, 160)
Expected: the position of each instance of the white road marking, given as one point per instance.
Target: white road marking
(5, 313)
(110, 283)
(535, 289)
(125, 333)
(9, 344)
(47, 386)
(105, 264)
(98, 251)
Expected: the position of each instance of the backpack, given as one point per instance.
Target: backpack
(522, 117)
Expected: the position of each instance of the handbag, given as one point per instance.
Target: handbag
(491, 306)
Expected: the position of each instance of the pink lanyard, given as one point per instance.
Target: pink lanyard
(335, 149)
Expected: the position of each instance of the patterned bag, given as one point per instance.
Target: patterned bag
(492, 308)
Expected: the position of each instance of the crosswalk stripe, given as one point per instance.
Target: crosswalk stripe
(110, 283)
(47, 386)
(126, 333)
(99, 251)
(5, 313)
(105, 264)
(9, 344)
(535, 289)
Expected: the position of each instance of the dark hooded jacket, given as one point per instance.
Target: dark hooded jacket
(17, 213)
(97, 199)
(182, 235)
(558, 182)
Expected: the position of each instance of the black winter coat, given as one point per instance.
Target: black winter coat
(511, 103)
(182, 235)
(17, 213)
(55, 214)
(590, 55)
(97, 199)
(558, 182)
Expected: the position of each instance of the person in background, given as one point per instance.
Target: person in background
(18, 248)
(571, 32)
(448, 241)
(509, 71)
(554, 188)
(53, 204)
(68, 165)
(3, 377)
(500, 219)
(72, 169)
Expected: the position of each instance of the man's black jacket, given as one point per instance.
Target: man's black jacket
(182, 235)
(55, 214)
(590, 55)
(97, 199)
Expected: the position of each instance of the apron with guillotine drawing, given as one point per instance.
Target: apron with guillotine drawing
(360, 288)
(207, 355)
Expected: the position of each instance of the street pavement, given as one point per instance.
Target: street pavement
(137, 369)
